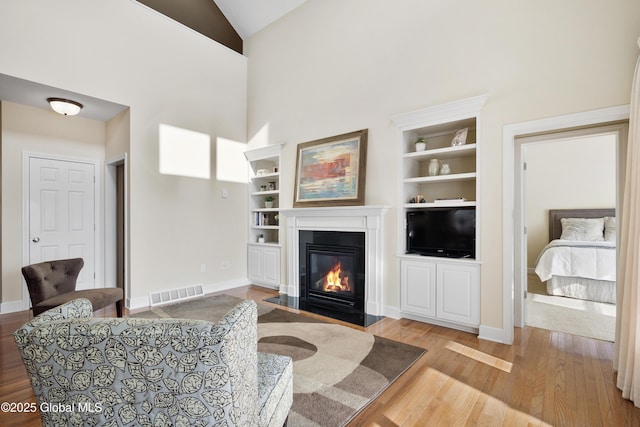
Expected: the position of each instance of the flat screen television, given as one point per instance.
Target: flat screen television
(443, 232)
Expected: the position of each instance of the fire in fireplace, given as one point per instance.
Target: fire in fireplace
(335, 281)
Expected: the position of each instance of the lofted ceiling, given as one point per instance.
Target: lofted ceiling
(250, 16)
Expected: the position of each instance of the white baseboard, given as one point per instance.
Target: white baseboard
(490, 333)
(11, 306)
(391, 311)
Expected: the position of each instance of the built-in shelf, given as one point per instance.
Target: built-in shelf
(439, 289)
(263, 257)
(266, 175)
(441, 178)
(438, 204)
(265, 193)
(443, 153)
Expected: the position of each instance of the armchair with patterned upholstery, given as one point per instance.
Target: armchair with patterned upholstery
(120, 371)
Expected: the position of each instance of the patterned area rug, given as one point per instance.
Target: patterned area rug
(337, 370)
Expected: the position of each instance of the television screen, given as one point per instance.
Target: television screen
(445, 232)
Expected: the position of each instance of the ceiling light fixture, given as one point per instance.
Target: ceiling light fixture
(65, 107)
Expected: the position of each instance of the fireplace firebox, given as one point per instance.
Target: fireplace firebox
(332, 272)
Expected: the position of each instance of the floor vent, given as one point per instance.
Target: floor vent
(164, 297)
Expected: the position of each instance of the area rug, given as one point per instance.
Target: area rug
(337, 370)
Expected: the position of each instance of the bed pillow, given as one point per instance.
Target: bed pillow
(610, 228)
(583, 229)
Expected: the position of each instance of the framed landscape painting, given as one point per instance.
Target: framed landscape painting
(331, 171)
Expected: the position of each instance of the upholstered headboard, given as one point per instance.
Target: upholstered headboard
(555, 228)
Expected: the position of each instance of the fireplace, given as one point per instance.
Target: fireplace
(332, 271)
(365, 306)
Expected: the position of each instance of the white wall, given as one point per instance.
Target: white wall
(573, 174)
(123, 52)
(334, 66)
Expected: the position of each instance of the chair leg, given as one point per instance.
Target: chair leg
(119, 305)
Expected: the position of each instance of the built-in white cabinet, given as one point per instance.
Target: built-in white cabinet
(264, 264)
(447, 293)
(435, 285)
(263, 247)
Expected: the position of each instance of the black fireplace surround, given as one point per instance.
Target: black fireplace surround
(335, 253)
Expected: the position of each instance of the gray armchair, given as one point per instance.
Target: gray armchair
(117, 371)
(52, 283)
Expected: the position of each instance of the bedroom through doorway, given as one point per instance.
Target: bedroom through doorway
(562, 172)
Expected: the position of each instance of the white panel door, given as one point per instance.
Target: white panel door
(62, 214)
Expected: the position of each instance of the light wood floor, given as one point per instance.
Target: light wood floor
(544, 378)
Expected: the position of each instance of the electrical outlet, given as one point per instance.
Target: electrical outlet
(203, 268)
(225, 193)
(224, 265)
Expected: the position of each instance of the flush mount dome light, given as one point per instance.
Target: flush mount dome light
(65, 107)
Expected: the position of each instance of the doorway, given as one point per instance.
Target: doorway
(116, 225)
(514, 274)
(60, 214)
(568, 170)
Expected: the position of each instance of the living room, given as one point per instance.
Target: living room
(325, 69)
(275, 94)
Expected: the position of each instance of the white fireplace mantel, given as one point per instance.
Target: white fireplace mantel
(366, 219)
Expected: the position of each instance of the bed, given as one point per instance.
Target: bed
(580, 259)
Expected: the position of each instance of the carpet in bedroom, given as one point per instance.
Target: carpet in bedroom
(337, 370)
(584, 318)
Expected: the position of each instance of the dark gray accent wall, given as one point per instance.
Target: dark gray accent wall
(203, 16)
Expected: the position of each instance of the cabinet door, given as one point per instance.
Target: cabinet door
(459, 293)
(264, 265)
(254, 261)
(271, 266)
(418, 287)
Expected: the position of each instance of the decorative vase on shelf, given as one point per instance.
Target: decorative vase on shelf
(445, 169)
(435, 166)
(421, 144)
(261, 239)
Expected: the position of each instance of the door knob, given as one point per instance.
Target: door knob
(36, 239)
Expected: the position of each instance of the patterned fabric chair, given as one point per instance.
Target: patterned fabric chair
(160, 372)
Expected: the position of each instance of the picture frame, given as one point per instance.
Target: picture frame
(331, 171)
(460, 138)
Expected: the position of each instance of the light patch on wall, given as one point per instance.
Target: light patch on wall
(184, 152)
(231, 165)
(261, 138)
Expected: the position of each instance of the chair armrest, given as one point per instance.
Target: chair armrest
(79, 308)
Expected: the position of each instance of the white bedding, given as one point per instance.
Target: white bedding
(592, 260)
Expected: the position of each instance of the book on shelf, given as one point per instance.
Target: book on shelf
(265, 219)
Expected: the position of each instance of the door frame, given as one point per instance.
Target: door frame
(110, 223)
(97, 194)
(511, 214)
(619, 129)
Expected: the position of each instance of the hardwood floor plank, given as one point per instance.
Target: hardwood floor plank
(545, 378)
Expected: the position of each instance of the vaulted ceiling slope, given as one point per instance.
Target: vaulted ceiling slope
(202, 16)
(228, 22)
